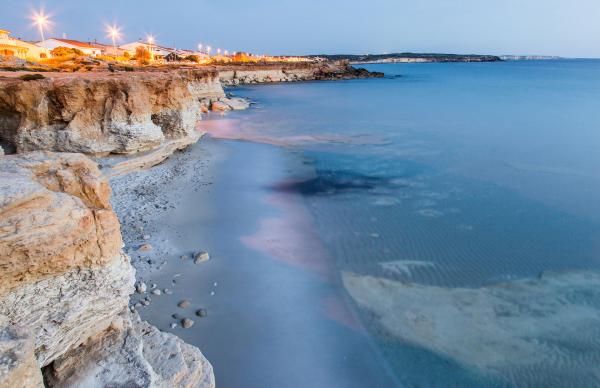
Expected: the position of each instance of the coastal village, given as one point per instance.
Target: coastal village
(146, 51)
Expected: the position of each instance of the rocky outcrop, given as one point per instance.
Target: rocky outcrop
(136, 354)
(292, 72)
(102, 113)
(65, 280)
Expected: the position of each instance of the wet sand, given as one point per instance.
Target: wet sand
(277, 314)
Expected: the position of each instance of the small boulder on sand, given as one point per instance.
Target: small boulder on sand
(186, 323)
(140, 287)
(201, 257)
(201, 313)
(184, 304)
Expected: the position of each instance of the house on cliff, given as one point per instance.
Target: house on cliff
(86, 48)
(13, 47)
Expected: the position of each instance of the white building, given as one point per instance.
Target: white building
(12, 47)
(86, 48)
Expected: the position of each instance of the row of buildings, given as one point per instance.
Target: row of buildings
(13, 47)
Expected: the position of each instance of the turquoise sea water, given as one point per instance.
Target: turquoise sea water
(439, 227)
(455, 176)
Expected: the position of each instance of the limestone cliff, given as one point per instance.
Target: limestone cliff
(65, 284)
(291, 72)
(101, 113)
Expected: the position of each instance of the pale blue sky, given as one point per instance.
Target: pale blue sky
(549, 27)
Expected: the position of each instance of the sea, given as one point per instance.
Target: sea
(438, 227)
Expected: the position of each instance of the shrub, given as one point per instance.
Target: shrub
(143, 55)
(31, 77)
(192, 58)
(61, 51)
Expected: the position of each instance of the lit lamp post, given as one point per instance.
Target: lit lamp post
(41, 21)
(150, 39)
(208, 48)
(115, 33)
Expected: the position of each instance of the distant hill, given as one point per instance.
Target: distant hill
(410, 57)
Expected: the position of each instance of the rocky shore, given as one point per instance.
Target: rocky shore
(66, 282)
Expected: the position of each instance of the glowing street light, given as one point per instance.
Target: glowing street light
(226, 52)
(218, 51)
(150, 40)
(41, 21)
(208, 48)
(115, 33)
(199, 47)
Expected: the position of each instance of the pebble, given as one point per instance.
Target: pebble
(140, 287)
(177, 316)
(145, 302)
(156, 292)
(146, 237)
(215, 284)
(201, 312)
(153, 286)
(132, 309)
(201, 257)
(187, 323)
(183, 257)
(137, 305)
(184, 304)
(173, 325)
(145, 248)
(212, 293)
(168, 291)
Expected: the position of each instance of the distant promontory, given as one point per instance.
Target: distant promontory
(411, 57)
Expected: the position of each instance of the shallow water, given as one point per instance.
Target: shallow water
(451, 213)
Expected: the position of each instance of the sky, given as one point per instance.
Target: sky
(568, 28)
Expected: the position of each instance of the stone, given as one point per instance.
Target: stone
(184, 304)
(168, 291)
(173, 325)
(18, 365)
(145, 248)
(140, 287)
(218, 106)
(201, 313)
(177, 316)
(236, 103)
(201, 257)
(139, 355)
(145, 302)
(186, 323)
(146, 237)
(156, 292)
(183, 257)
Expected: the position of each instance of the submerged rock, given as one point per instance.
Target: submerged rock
(530, 331)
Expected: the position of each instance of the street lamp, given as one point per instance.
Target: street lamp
(199, 47)
(208, 48)
(150, 40)
(41, 20)
(115, 33)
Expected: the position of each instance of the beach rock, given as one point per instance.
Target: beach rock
(201, 313)
(184, 304)
(219, 106)
(168, 291)
(156, 292)
(18, 366)
(236, 103)
(173, 325)
(97, 113)
(201, 257)
(186, 323)
(140, 287)
(138, 355)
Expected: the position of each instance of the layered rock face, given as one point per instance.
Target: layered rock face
(65, 284)
(250, 74)
(101, 113)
